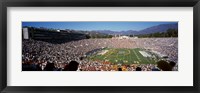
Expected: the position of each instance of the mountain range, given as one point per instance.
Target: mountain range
(149, 30)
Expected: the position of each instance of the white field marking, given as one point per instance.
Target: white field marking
(103, 52)
(145, 54)
(137, 55)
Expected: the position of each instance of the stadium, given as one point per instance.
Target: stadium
(69, 50)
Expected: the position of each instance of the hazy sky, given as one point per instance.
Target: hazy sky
(114, 26)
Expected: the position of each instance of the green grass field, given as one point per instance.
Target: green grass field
(124, 56)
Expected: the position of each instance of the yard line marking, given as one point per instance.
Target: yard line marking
(137, 56)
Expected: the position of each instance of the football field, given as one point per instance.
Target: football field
(123, 56)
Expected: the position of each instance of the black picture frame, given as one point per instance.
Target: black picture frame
(100, 3)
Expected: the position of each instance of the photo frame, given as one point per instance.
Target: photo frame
(103, 3)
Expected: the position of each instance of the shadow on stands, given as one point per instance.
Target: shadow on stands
(57, 41)
(73, 66)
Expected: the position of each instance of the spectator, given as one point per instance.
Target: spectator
(50, 67)
(163, 65)
(138, 69)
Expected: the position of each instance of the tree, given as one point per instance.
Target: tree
(168, 33)
(88, 37)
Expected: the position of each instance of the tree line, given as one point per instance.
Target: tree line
(98, 36)
(168, 33)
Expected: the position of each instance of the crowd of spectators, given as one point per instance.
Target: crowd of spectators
(71, 56)
(164, 46)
